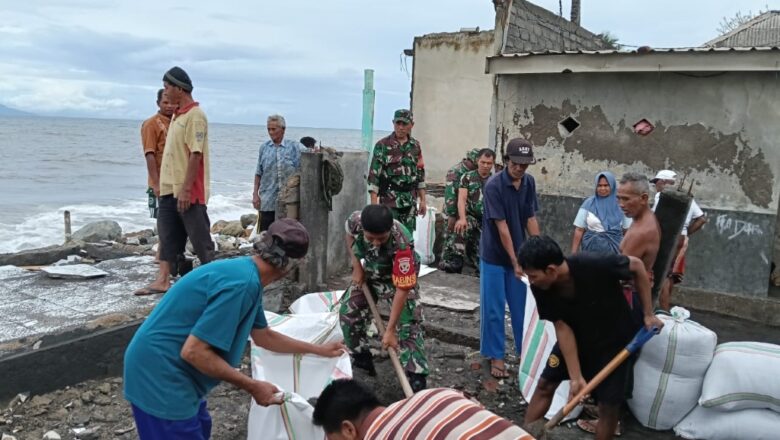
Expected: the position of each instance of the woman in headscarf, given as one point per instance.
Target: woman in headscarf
(600, 222)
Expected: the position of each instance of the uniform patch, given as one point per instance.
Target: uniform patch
(553, 361)
(199, 135)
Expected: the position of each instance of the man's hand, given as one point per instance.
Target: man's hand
(460, 226)
(156, 189)
(331, 349)
(653, 321)
(264, 393)
(423, 207)
(184, 201)
(390, 339)
(575, 386)
(256, 201)
(358, 276)
(518, 272)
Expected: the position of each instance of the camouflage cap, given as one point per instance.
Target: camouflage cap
(403, 115)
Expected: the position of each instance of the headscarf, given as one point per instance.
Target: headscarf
(610, 214)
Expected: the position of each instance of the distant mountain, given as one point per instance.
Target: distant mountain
(8, 111)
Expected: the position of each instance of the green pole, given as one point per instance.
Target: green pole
(368, 111)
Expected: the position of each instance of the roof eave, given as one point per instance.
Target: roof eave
(731, 61)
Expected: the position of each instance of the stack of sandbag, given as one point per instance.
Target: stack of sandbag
(740, 398)
(538, 341)
(669, 372)
(299, 376)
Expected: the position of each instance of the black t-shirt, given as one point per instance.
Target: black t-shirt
(598, 313)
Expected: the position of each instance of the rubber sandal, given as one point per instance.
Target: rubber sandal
(145, 291)
(503, 373)
(590, 426)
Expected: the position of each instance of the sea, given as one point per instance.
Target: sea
(95, 169)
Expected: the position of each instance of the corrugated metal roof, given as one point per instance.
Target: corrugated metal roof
(763, 30)
(648, 50)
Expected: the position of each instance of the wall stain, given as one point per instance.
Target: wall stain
(688, 148)
(456, 41)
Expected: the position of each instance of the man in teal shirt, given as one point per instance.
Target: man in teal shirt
(196, 335)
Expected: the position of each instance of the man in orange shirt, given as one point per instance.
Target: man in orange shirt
(153, 133)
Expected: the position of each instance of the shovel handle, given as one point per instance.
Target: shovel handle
(642, 336)
(399, 371)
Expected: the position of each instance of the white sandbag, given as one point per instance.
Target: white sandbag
(747, 424)
(669, 373)
(538, 340)
(425, 235)
(302, 376)
(321, 302)
(743, 375)
(290, 420)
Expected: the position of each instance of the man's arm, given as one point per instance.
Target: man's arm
(154, 176)
(567, 342)
(358, 275)
(421, 182)
(506, 243)
(193, 165)
(696, 225)
(203, 357)
(255, 195)
(375, 172)
(423, 207)
(280, 343)
(642, 285)
(390, 338)
(532, 226)
(461, 224)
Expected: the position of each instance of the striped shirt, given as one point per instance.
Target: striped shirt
(441, 414)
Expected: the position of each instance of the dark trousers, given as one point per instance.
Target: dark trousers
(266, 218)
(174, 228)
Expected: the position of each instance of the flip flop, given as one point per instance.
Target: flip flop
(502, 371)
(144, 291)
(590, 426)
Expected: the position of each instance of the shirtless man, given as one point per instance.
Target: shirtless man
(643, 237)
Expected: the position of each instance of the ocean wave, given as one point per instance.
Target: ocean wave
(46, 227)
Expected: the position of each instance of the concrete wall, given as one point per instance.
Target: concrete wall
(353, 197)
(451, 96)
(720, 131)
(532, 28)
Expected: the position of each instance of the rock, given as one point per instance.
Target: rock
(100, 230)
(73, 271)
(104, 388)
(80, 417)
(125, 430)
(40, 401)
(248, 219)
(51, 435)
(133, 241)
(7, 437)
(226, 243)
(234, 229)
(217, 227)
(41, 256)
(87, 396)
(102, 400)
(152, 240)
(102, 251)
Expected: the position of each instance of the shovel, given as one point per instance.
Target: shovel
(642, 336)
(399, 371)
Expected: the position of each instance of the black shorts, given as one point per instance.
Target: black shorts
(612, 391)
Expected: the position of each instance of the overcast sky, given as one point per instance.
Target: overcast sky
(247, 59)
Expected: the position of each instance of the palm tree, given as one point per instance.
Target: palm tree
(575, 12)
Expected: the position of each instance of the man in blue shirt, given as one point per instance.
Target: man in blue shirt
(279, 158)
(196, 335)
(510, 204)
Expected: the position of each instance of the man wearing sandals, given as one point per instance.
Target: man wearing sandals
(582, 296)
(510, 205)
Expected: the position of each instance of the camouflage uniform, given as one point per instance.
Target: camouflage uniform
(466, 245)
(354, 313)
(468, 163)
(397, 172)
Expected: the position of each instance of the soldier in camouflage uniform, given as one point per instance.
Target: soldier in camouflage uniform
(463, 243)
(396, 177)
(468, 163)
(373, 235)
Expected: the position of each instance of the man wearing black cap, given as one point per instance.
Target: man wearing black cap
(184, 176)
(510, 205)
(195, 338)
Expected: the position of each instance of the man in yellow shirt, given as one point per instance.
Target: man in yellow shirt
(184, 177)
